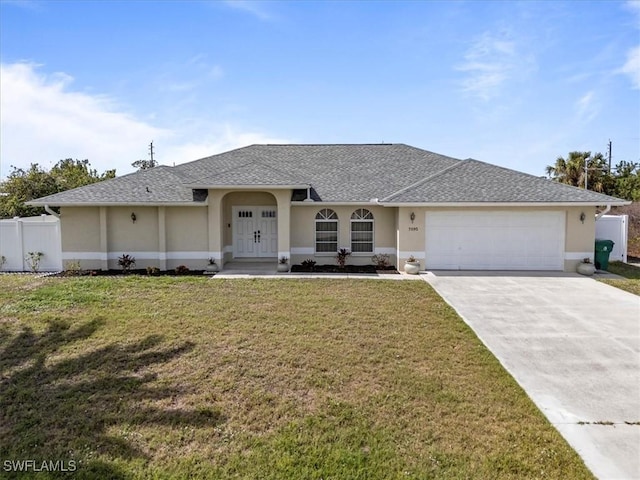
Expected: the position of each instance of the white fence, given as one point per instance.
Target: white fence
(614, 227)
(19, 236)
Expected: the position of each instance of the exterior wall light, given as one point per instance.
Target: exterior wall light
(133, 217)
(412, 216)
(582, 217)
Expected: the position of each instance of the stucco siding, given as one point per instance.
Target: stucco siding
(80, 229)
(186, 229)
(303, 233)
(580, 237)
(125, 235)
(171, 236)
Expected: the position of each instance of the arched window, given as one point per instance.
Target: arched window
(362, 231)
(326, 231)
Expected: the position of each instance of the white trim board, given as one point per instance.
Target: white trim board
(199, 255)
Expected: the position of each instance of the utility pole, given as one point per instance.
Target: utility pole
(151, 152)
(609, 156)
(586, 173)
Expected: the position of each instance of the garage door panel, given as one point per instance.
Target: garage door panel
(495, 240)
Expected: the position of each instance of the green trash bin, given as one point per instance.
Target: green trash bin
(602, 251)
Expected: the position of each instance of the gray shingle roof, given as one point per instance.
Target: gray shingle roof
(156, 185)
(392, 173)
(472, 181)
(253, 173)
(337, 173)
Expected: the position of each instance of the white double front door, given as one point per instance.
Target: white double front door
(255, 231)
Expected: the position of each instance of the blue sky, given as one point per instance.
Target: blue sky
(511, 83)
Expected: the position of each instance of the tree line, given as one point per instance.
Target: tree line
(621, 180)
(24, 185)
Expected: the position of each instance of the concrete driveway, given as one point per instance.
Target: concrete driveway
(573, 344)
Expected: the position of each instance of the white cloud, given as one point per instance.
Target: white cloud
(489, 63)
(34, 5)
(215, 139)
(587, 107)
(254, 8)
(633, 5)
(632, 67)
(43, 120)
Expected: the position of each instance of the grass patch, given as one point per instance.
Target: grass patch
(166, 377)
(631, 282)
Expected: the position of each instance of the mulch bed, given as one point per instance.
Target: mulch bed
(346, 269)
(372, 269)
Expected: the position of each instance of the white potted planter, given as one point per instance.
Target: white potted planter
(412, 266)
(585, 267)
(283, 265)
(211, 268)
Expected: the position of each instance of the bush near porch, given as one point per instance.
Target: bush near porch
(138, 377)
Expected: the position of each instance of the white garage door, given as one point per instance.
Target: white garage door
(495, 240)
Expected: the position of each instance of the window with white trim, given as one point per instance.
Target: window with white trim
(326, 231)
(362, 231)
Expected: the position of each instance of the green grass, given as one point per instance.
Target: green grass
(631, 282)
(141, 377)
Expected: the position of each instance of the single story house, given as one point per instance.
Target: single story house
(308, 201)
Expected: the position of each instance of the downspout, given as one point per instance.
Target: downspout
(604, 212)
(47, 209)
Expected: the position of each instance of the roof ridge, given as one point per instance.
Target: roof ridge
(383, 144)
(422, 181)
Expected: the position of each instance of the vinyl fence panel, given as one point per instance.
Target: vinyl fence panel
(614, 227)
(19, 236)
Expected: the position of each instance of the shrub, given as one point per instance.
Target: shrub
(380, 260)
(153, 271)
(181, 270)
(126, 262)
(308, 264)
(341, 257)
(73, 268)
(33, 259)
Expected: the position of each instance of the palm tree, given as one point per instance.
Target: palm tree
(572, 171)
(569, 171)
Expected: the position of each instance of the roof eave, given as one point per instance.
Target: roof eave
(503, 204)
(117, 204)
(247, 187)
(307, 203)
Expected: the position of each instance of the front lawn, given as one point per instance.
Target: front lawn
(630, 283)
(138, 377)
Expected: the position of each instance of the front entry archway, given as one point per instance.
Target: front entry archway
(255, 231)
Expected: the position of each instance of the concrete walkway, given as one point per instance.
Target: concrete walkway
(573, 344)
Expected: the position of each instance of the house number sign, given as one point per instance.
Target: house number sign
(413, 229)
